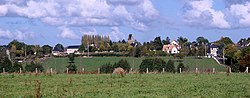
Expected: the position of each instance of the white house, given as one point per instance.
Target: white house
(172, 48)
(72, 49)
(214, 50)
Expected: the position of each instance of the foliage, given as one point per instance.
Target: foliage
(59, 47)
(107, 68)
(81, 48)
(170, 66)
(156, 64)
(46, 49)
(32, 67)
(72, 67)
(183, 68)
(123, 63)
(6, 64)
(157, 43)
(202, 40)
(16, 67)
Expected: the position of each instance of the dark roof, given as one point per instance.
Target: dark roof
(56, 49)
(213, 46)
(73, 47)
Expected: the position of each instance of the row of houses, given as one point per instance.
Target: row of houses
(213, 49)
(70, 49)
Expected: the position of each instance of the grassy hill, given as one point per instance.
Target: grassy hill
(133, 85)
(91, 64)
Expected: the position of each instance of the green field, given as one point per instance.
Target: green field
(91, 64)
(133, 85)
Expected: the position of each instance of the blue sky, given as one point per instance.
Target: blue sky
(65, 21)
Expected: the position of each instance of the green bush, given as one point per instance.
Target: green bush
(170, 66)
(123, 64)
(183, 68)
(32, 67)
(156, 64)
(107, 68)
(16, 67)
(6, 64)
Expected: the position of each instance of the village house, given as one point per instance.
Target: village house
(172, 48)
(72, 49)
(213, 50)
(57, 52)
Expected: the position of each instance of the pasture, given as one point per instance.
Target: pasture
(132, 85)
(91, 64)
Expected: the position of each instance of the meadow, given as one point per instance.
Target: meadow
(235, 85)
(92, 64)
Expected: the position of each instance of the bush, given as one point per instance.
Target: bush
(72, 68)
(156, 64)
(6, 64)
(183, 68)
(170, 66)
(107, 68)
(32, 67)
(16, 67)
(123, 64)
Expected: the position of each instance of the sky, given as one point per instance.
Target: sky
(42, 22)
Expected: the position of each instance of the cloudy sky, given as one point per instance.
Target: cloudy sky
(65, 21)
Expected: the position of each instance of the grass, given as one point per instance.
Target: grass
(91, 64)
(133, 85)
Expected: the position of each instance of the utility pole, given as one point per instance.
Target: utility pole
(223, 56)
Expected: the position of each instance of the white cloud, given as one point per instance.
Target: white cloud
(5, 34)
(19, 35)
(201, 13)
(3, 10)
(67, 33)
(53, 21)
(116, 34)
(84, 12)
(242, 13)
(88, 31)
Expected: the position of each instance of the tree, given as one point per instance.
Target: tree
(224, 41)
(102, 47)
(157, 43)
(123, 64)
(6, 64)
(46, 49)
(59, 47)
(115, 48)
(245, 61)
(183, 41)
(32, 67)
(170, 66)
(81, 48)
(72, 67)
(183, 68)
(16, 67)
(166, 42)
(156, 64)
(106, 68)
(202, 40)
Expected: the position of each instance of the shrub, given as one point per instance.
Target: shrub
(72, 68)
(170, 66)
(16, 67)
(106, 68)
(6, 64)
(156, 64)
(32, 67)
(183, 68)
(123, 64)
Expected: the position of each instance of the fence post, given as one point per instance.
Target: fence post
(20, 70)
(230, 70)
(163, 70)
(147, 70)
(3, 70)
(247, 70)
(180, 70)
(131, 69)
(83, 70)
(51, 70)
(213, 70)
(98, 70)
(67, 70)
(36, 70)
(196, 70)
